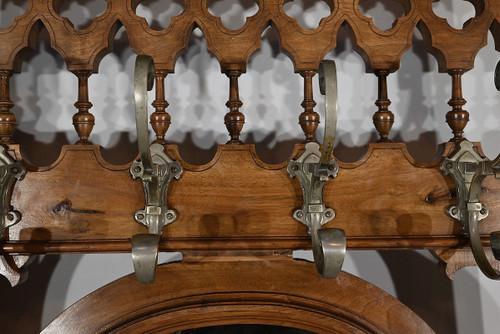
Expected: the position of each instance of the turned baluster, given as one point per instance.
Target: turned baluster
(308, 119)
(457, 118)
(83, 121)
(7, 119)
(160, 119)
(383, 118)
(234, 119)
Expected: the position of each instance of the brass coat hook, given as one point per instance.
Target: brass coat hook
(313, 169)
(156, 170)
(468, 170)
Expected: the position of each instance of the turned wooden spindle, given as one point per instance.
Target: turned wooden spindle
(83, 121)
(308, 119)
(234, 119)
(383, 118)
(7, 119)
(160, 119)
(457, 118)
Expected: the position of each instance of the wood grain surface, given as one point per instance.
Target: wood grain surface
(236, 201)
(262, 291)
(83, 49)
(80, 203)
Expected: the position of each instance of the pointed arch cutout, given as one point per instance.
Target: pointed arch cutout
(108, 47)
(28, 44)
(495, 31)
(269, 24)
(268, 291)
(348, 25)
(437, 53)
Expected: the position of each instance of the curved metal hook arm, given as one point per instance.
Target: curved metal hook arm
(156, 170)
(328, 87)
(476, 245)
(10, 171)
(468, 170)
(313, 169)
(329, 246)
(143, 82)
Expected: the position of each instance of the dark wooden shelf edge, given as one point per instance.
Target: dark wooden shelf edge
(233, 244)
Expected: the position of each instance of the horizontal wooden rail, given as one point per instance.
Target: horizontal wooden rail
(233, 244)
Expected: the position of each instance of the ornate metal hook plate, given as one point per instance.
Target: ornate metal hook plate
(10, 171)
(156, 215)
(313, 169)
(468, 170)
(156, 170)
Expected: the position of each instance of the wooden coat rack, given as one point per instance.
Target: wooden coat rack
(238, 205)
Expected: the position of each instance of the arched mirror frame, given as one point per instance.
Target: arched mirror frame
(196, 293)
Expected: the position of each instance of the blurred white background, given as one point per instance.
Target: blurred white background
(44, 93)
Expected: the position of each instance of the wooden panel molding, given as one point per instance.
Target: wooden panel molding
(237, 201)
(387, 199)
(204, 293)
(83, 49)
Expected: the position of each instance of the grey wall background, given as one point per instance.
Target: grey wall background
(45, 91)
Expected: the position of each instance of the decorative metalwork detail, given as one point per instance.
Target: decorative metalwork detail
(156, 170)
(10, 171)
(156, 215)
(468, 170)
(313, 169)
